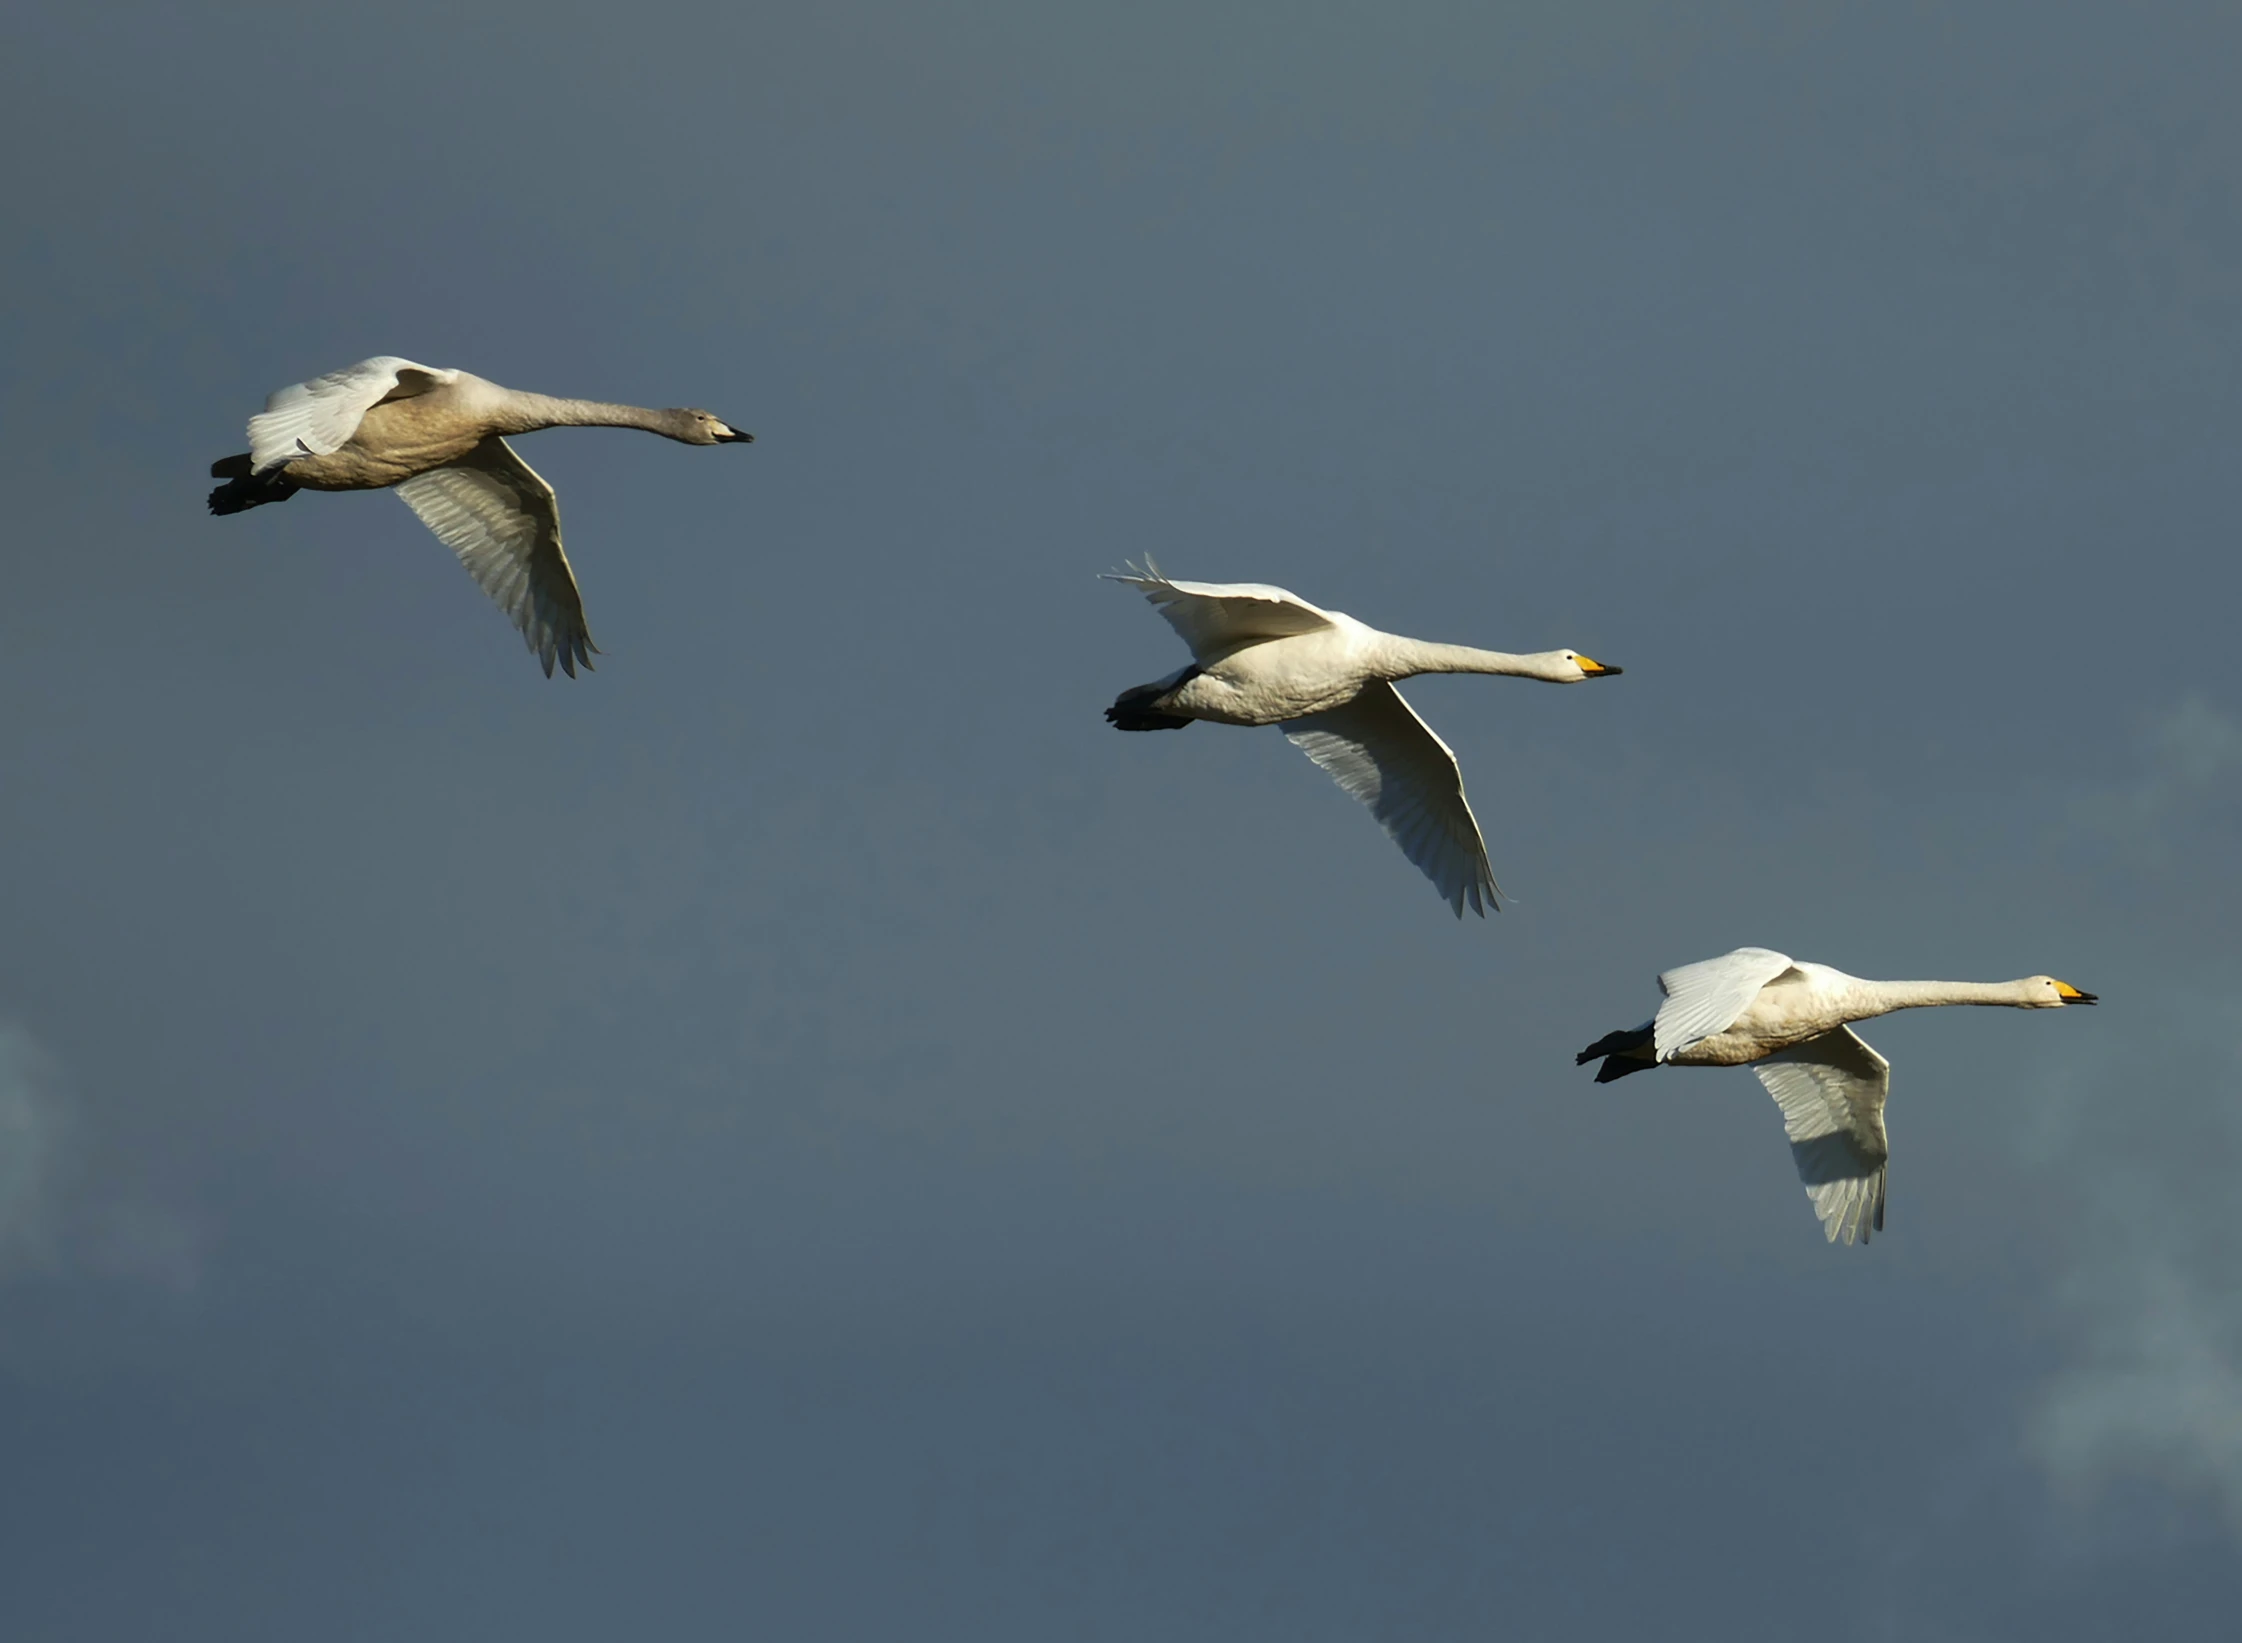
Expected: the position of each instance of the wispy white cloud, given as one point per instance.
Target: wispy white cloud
(2190, 765)
(58, 1217)
(30, 1149)
(2153, 1385)
(2157, 1391)
(2143, 1127)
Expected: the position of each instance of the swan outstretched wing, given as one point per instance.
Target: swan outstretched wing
(1832, 1090)
(1706, 997)
(491, 508)
(1380, 751)
(1217, 618)
(315, 417)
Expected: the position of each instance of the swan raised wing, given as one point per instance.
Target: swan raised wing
(316, 417)
(1377, 748)
(1218, 618)
(493, 510)
(1706, 997)
(1831, 1089)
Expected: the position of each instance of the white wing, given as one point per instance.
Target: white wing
(1832, 1090)
(1218, 618)
(1381, 752)
(491, 508)
(1706, 997)
(315, 417)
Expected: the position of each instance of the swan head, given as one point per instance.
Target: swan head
(695, 427)
(2046, 993)
(1572, 667)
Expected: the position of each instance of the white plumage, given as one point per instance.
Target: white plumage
(1703, 998)
(1378, 750)
(1262, 655)
(1788, 1021)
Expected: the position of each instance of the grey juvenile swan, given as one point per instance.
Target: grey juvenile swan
(1787, 1020)
(1262, 656)
(436, 437)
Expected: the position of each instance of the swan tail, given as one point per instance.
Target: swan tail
(1137, 709)
(1624, 1052)
(244, 488)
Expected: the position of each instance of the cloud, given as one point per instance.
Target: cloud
(2149, 1133)
(2191, 763)
(2160, 1395)
(2143, 1129)
(59, 1218)
(30, 1145)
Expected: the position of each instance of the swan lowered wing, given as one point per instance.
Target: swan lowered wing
(315, 417)
(1218, 618)
(1381, 752)
(494, 511)
(1706, 998)
(1832, 1090)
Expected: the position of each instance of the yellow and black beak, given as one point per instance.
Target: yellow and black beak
(1595, 669)
(2071, 995)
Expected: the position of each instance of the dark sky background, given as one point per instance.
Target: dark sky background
(806, 1133)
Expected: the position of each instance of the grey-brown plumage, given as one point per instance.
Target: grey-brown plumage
(436, 437)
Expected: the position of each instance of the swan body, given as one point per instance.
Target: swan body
(1790, 1022)
(436, 436)
(1263, 656)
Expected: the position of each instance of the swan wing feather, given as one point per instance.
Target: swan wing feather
(316, 417)
(1377, 748)
(1706, 997)
(1831, 1089)
(1217, 618)
(493, 510)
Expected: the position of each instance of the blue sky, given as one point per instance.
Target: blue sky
(806, 1131)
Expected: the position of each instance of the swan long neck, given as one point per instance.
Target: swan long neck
(1915, 995)
(526, 413)
(1400, 658)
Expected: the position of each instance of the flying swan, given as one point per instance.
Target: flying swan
(1262, 656)
(1787, 1020)
(436, 437)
